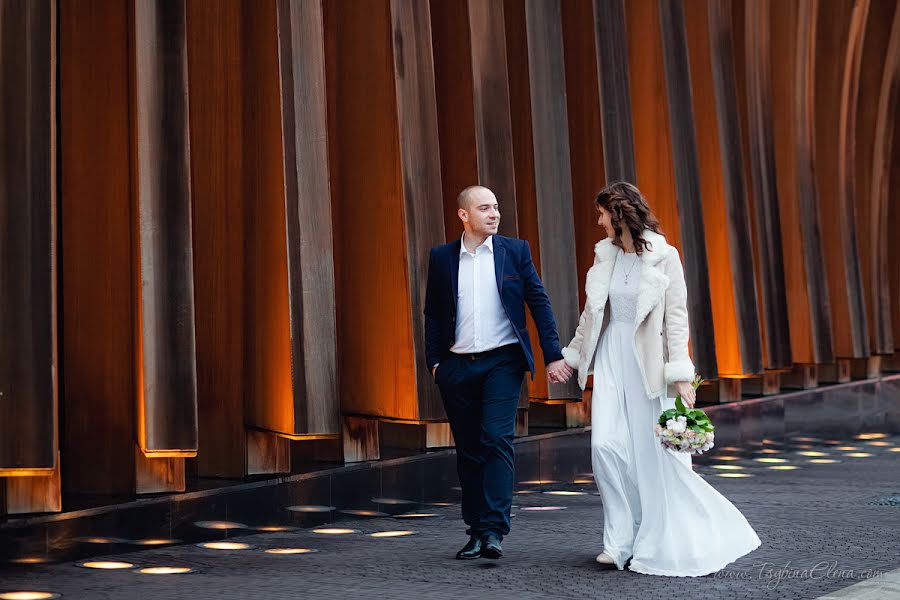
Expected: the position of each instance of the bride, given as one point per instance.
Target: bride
(633, 336)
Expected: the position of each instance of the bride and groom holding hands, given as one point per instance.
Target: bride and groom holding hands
(659, 517)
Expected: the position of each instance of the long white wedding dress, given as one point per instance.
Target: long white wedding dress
(655, 508)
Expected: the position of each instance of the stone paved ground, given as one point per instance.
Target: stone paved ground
(821, 528)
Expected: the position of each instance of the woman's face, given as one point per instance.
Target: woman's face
(605, 221)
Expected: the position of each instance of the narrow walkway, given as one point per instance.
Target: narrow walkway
(825, 526)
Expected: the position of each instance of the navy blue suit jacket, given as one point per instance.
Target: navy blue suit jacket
(518, 284)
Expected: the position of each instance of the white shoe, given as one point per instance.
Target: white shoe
(605, 559)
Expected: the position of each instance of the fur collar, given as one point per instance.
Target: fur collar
(653, 283)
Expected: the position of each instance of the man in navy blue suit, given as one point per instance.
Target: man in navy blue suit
(478, 349)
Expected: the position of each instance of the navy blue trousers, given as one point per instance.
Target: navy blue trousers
(481, 396)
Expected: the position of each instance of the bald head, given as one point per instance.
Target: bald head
(474, 194)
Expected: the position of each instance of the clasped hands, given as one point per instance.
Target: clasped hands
(559, 372)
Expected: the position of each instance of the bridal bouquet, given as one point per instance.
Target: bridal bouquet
(685, 430)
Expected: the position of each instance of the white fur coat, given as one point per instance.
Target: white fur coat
(661, 323)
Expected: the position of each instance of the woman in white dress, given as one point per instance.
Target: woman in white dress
(633, 336)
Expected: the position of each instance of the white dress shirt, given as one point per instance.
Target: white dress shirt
(481, 321)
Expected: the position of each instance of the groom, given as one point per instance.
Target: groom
(478, 349)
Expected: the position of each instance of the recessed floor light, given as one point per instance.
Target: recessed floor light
(310, 508)
(100, 540)
(110, 565)
(539, 482)
(27, 595)
(417, 516)
(812, 453)
(770, 451)
(783, 467)
(392, 501)
(390, 534)
(870, 436)
(439, 504)
(806, 439)
(771, 460)
(290, 551)
(731, 448)
(225, 545)
(726, 458)
(565, 493)
(525, 492)
(271, 528)
(728, 467)
(859, 454)
(542, 508)
(334, 531)
(364, 513)
(894, 450)
(29, 560)
(220, 525)
(880, 444)
(823, 461)
(581, 480)
(154, 542)
(804, 446)
(735, 475)
(166, 570)
(847, 448)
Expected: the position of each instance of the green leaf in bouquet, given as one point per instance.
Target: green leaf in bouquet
(696, 413)
(697, 428)
(679, 405)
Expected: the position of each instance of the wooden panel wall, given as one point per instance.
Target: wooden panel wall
(839, 40)
(760, 140)
(792, 32)
(28, 256)
(685, 161)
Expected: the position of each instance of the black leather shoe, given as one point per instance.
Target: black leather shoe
(471, 550)
(491, 547)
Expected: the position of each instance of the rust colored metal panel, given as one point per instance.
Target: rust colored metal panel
(615, 101)
(214, 38)
(472, 94)
(32, 494)
(734, 181)
(28, 251)
(792, 28)
(493, 123)
(685, 160)
(96, 261)
(386, 175)
(760, 138)
(840, 26)
(585, 133)
(454, 92)
(165, 365)
(875, 138)
(716, 217)
(420, 157)
(307, 195)
(552, 176)
(268, 381)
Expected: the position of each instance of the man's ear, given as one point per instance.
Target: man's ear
(463, 215)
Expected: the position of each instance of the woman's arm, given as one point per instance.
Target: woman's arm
(572, 352)
(679, 366)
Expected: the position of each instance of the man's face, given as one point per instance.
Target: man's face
(482, 217)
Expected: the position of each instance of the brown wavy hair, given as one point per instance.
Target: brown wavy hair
(628, 208)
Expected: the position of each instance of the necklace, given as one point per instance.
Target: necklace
(630, 269)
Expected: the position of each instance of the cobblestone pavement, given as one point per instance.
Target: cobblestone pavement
(824, 527)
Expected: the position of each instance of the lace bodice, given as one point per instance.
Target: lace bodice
(623, 297)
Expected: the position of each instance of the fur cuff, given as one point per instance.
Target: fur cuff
(571, 358)
(679, 371)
